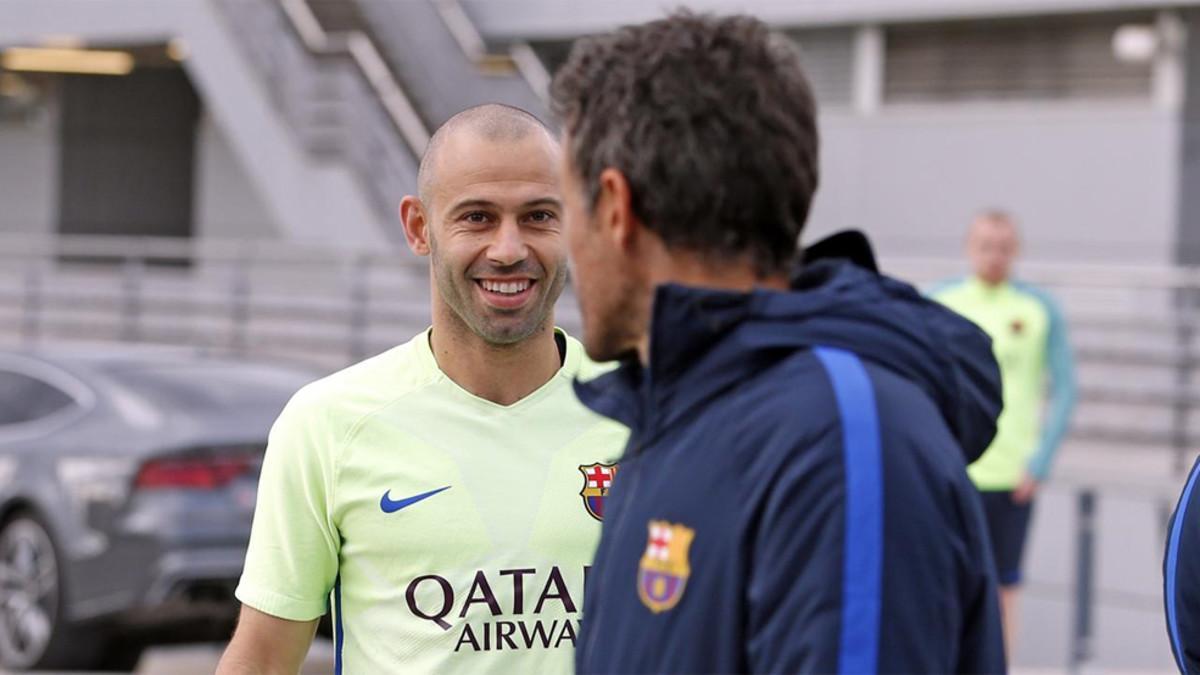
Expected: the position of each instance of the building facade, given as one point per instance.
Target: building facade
(1072, 114)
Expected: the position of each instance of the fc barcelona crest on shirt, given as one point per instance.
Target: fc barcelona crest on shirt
(664, 569)
(597, 480)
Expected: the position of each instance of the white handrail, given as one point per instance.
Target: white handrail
(532, 69)
(372, 65)
(1068, 274)
(461, 28)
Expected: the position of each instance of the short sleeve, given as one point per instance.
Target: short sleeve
(292, 559)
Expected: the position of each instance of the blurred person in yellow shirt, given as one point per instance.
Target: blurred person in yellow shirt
(1029, 338)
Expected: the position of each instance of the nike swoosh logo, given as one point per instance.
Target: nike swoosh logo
(391, 506)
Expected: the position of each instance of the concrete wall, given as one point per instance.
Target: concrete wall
(1189, 157)
(1092, 182)
(1088, 184)
(1089, 181)
(227, 203)
(29, 172)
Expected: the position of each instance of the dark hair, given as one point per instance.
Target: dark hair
(712, 122)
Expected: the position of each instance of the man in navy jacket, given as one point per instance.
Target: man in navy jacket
(1181, 576)
(794, 495)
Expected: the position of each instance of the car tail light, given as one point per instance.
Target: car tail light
(196, 471)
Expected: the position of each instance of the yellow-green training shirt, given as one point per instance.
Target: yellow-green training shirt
(1029, 339)
(447, 533)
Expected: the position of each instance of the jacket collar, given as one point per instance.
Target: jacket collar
(691, 359)
(697, 350)
(704, 342)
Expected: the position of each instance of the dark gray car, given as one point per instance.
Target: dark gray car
(127, 486)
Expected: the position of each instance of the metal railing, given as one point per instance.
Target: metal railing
(306, 303)
(1142, 318)
(133, 286)
(1084, 589)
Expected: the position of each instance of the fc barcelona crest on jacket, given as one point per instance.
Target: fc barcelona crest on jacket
(597, 480)
(664, 570)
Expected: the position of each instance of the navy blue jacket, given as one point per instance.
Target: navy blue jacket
(794, 495)
(1181, 576)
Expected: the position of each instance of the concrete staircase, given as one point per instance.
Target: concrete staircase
(435, 51)
(334, 90)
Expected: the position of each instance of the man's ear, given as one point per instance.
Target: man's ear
(614, 210)
(416, 225)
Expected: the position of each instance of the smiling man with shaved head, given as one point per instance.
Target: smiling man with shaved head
(484, 166)
(443, 498)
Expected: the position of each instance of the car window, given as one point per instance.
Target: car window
(215, 385)
(26, 399)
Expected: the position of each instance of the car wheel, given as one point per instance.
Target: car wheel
(33, 633)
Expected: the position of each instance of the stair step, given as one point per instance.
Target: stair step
(325, 143)
(337, 16)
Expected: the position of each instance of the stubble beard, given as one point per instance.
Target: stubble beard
(612, 328)
(457, 291)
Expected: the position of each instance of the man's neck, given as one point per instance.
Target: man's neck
(692, 271)
(992, 284)
(502, 374)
